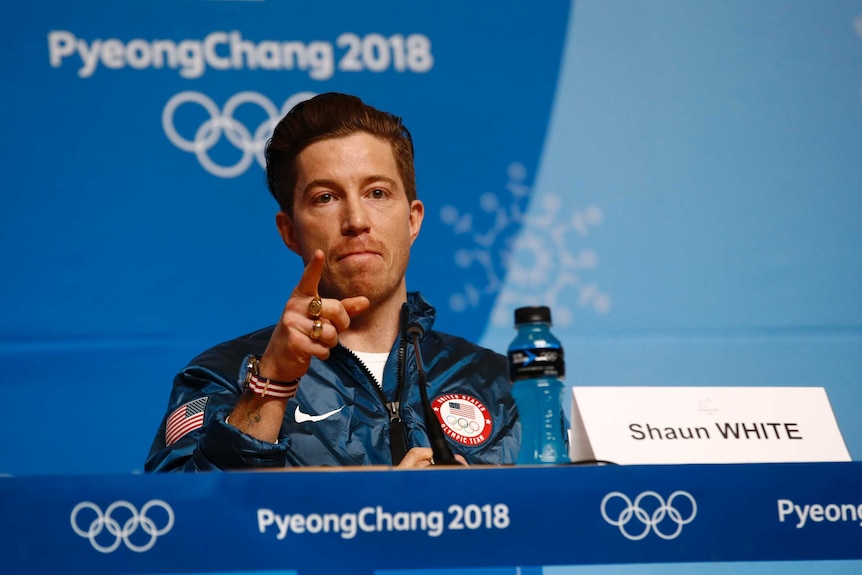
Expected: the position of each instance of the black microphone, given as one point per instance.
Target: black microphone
(439, 446)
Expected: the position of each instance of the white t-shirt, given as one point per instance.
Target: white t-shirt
(375, 362)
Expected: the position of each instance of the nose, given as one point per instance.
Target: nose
(354, 217)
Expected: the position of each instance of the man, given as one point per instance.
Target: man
(335, 381)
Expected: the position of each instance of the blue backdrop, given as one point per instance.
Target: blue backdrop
(681, 182)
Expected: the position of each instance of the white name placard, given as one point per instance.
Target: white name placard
(666, 425)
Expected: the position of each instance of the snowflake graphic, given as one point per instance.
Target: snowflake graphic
(533, 251)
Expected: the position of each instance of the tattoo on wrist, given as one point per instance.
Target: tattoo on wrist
(253, 418)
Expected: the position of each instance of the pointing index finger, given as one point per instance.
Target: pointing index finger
(310, 279)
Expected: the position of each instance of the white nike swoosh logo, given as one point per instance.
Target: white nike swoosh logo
(301, 417)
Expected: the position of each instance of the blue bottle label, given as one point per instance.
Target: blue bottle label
(536, 363)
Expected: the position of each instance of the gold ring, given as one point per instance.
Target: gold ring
(315, 308)
(316, 329)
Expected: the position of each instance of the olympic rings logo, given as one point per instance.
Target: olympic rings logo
(222, 123)
(462, 424)
(650, 521)
(121, 533)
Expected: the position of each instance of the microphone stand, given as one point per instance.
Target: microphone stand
(439, 446)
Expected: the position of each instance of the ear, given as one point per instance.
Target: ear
(417, 213)
(287, 230)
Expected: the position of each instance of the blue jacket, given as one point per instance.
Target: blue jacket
(339, 416)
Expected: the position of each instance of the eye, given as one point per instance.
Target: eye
(323, 198)
(377, 193)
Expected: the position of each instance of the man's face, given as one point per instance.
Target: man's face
(349, 201)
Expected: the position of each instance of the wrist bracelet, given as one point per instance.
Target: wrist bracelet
(250, 378)
(264, 386)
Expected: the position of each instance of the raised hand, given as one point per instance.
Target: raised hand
(295, 339)
(309, 327)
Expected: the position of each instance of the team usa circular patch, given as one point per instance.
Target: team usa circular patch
(463, 418)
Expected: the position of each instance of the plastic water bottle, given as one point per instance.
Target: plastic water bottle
(537, 369)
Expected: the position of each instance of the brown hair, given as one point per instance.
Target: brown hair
(331, 115)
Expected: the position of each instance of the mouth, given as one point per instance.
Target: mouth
(356, 253)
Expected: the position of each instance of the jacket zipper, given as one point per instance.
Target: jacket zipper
(393, 408)
(397, 433)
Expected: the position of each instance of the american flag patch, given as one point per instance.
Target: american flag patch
(185, 418)
(462, 409)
